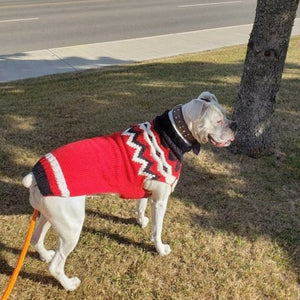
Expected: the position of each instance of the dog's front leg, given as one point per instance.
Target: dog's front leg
(140, 212)
(160, 193)
(158, 213)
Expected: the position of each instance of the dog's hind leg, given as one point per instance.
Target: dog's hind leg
(57, 264)
(38, 237)
(67, 216)
(36, 200)
(140, 212)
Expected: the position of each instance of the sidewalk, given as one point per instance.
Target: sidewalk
(68, 59)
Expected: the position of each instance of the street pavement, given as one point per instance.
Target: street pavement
(82, 57)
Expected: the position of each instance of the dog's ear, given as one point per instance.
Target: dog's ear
(208, 97)
(194, 109)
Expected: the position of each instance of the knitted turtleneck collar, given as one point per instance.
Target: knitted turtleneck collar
(171, 139)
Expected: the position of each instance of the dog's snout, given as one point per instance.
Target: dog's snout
(233, 126)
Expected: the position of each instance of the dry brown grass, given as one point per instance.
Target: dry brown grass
(232, 223)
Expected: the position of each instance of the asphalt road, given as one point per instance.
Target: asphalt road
(27, 25)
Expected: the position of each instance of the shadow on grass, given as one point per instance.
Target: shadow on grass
(120, 239)
(263, 205)
(35, 277)
(111, 218)
(42, 114)
(114, 236)
(6, 269)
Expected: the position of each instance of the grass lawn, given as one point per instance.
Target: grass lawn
(233, 222)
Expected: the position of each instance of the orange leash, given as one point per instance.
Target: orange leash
(18, 267)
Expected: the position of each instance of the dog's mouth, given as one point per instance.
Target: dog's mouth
(220, 144)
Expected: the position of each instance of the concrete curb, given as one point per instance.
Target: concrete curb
(68, 59)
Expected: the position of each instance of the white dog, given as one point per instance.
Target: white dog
(142, 162)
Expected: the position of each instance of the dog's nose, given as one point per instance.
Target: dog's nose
(233, 126)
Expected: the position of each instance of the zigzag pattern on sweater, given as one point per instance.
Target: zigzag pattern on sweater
(143, 133)
(138, 155)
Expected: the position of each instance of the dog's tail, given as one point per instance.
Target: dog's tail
(28, 180)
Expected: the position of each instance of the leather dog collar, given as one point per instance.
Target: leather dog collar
(181, 125)
(183, 129)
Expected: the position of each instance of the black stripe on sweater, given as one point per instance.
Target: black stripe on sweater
(41, 179)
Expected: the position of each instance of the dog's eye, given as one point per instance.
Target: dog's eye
(220, 122)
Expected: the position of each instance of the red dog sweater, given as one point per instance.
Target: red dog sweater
(117, 163)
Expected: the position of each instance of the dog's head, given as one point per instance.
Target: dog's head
(207, 121)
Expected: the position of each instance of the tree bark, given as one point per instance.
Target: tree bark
(263, 67)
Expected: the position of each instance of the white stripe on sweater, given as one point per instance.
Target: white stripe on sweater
(163, 166)
(58, 174)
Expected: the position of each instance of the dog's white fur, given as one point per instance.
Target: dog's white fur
(207, 122)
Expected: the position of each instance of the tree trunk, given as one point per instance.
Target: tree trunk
(266, 53)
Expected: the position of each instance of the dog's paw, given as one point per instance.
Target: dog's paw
(47, 256)
(164, 249)
(143, 222)
(72, 284)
